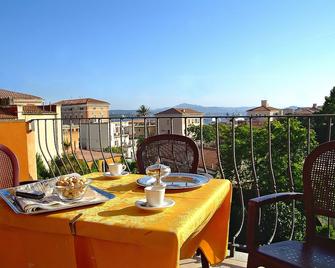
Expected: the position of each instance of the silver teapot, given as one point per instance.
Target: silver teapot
(158, 171)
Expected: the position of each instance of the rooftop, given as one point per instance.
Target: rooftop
(179, 111)
(308, 110)
(81, 101)
(4, 94)
(263, 108)
(34, 109)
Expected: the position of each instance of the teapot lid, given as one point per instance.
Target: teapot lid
(158, 166)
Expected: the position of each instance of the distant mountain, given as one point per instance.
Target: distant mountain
(212, 110)
(121, 113)
(208, 111)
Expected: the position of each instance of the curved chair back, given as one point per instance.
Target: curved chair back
(319, 184)
(178, 152)
(9, 168)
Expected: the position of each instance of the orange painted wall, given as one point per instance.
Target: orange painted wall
(17, 137)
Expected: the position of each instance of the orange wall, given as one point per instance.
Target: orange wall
(16, 136)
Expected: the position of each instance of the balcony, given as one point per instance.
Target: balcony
(259, 155)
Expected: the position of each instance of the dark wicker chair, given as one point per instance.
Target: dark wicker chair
(9, 168)
(319, 199)
(180, 153)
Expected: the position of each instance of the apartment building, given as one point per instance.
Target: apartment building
(264, 110)
(136, 127)
(43, 120)
(97, 137)
(83, 108)
(307, 110)
(177, 120)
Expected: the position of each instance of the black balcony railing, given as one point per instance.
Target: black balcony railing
(260, 155)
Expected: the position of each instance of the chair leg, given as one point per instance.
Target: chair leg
(204, 261)
(251, 263)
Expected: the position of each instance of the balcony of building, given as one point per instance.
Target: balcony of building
(258, 159)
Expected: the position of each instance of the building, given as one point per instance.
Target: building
(120, 135)
(13, 98)
(83, 108)
(308, 110)
(177, 120)
(106, 136)
(136, 127)
(43, 121)
(71, 138)
(263, 110)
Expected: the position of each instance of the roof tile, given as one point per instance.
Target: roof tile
(179, 111)
(4, 93)
(80, 101)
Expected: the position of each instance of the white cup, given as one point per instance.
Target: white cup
(116, 168)
(155, 195)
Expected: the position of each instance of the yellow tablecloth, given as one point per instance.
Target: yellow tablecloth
(117, 234)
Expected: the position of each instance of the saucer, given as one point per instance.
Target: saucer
(108, 174)
(142, 204)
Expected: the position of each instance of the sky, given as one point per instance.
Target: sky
(164, 52)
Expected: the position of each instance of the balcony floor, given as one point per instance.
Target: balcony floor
(238, 261)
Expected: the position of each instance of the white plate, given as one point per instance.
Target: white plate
(108, 174)
(176, 181)
(142, 204)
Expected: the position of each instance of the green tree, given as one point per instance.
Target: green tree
(42, 171)
(280, 167)
(321, 124)
(143, 111)
(114, 149)
(140, 140)
(208, 133)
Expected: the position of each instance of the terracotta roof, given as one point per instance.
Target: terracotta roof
(8, 113)
(306, 110)
(16, 95)
(179, 111)
(263, 109)
(33, 109)
(81, 101)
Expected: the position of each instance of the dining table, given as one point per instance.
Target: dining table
(119, 234)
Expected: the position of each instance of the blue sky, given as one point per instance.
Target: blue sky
(164, 52)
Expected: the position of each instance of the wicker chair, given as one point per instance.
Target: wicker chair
(319, 199)
(9, 168)
(180, 153)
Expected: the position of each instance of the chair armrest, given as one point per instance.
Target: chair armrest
(273, 198)
(253, 212)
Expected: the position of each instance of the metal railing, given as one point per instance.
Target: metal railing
(228, 146)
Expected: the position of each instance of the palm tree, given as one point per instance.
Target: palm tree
(143, 111)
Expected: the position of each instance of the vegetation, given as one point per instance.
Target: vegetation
(140, 140)
(42, 171)
(321, 124)
(64, 165)
(143, 111)
(115, 149)
(208, 133)
(66, 145)
(280, 166)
